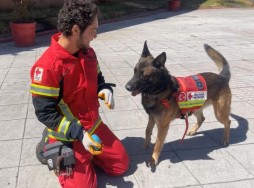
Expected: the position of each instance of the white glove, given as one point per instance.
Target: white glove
(107, 96)
(89, 143)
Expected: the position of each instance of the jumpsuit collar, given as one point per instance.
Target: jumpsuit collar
(60, 51)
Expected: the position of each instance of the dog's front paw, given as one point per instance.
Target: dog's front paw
(225, 142)
(152, 164)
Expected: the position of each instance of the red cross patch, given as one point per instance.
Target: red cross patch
(38, 72)
(182, 97)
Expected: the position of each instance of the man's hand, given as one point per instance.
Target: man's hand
(107, 96)
(89, 143)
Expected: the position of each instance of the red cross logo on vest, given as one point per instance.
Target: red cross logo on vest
(182, 97)
(38, 72)
(190, 96)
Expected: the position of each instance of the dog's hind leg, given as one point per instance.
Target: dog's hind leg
(222, 112)
(149, 130)
(200, 119)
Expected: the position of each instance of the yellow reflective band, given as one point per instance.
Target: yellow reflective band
(62, 137)
(95, 126)
(44, 90)
(67, 112)
(64, 125)
(46, 139)
(190, 104)
(58, 136)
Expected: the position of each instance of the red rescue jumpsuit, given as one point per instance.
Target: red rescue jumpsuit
(69, 83)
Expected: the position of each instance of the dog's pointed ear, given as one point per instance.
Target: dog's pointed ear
(160, 60)
(145, 52)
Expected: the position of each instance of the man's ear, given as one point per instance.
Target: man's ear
(145, 52)
(75, 30)
(160, 60)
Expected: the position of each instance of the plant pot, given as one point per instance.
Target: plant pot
(173, 5)
(23, 33)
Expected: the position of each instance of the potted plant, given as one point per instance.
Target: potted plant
(23, 27)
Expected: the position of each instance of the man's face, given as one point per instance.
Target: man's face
(88, 35)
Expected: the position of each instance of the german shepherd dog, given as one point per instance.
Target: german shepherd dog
(152, 79)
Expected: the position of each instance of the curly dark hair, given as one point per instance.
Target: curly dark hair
(76, 12)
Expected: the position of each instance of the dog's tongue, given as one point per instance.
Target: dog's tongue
(134, 93)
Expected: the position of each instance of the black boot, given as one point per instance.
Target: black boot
(40, 148)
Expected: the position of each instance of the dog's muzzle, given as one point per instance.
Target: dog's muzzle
(128, 87)
(131, 89)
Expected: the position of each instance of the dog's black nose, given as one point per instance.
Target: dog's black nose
(128, 87)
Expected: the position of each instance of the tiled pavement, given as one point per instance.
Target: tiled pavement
(200, 161)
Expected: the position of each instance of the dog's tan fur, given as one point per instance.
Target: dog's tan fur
(153, 81)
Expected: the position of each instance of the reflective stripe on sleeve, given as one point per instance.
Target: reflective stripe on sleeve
(58, 136)
(64, 125)
(62, 137)
(67, 112)
(44, 90)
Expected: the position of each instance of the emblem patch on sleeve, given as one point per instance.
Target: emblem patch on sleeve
(38, 73)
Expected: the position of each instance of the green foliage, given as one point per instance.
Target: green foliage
(46, 18)
(116, 9)
(236, 3)
(194, 4)
(23, 10)
(3, 28)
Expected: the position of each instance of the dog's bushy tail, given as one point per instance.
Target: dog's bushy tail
(219, 60)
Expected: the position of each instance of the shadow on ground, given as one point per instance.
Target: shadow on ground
(104, 180)
(238, 135)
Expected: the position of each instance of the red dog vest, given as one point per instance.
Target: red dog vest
(192, 93)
